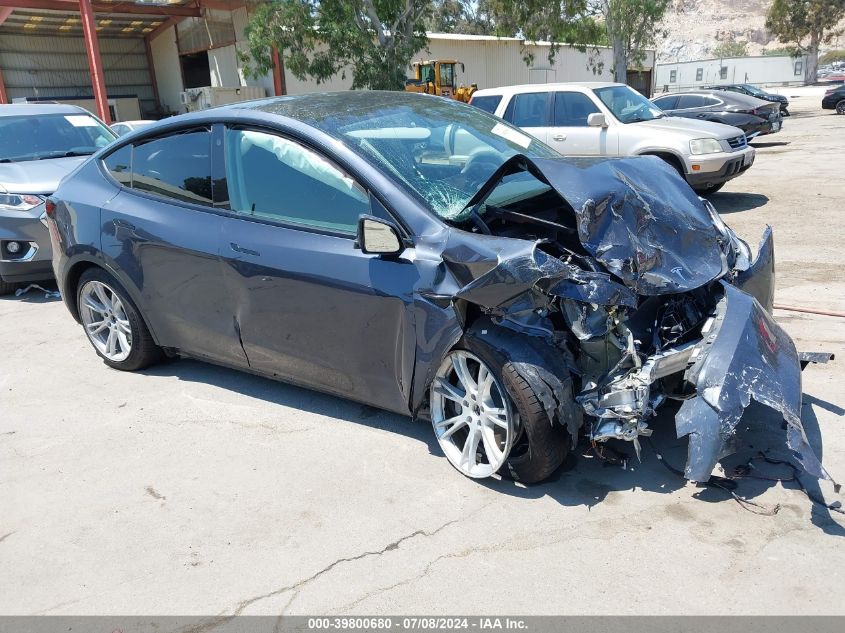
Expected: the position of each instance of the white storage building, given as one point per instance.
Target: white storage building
(781, 70)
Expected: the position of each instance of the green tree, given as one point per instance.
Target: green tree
(374, 39)
(472, 17)
(829, 57)
(630, 27)
(781, 51)
(731, 49)
(806, 24)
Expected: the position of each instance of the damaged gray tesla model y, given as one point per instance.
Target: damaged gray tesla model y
(424, 257)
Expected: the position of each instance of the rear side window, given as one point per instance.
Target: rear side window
(666, 103)
(488, 103)
(119, 165)
(176, 166)
(685, 102)
(278, 179)
(572, 109)
(528, 110)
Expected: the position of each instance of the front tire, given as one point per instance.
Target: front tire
(113, 324)
(840, 107)
(488, 419)
(7, 288)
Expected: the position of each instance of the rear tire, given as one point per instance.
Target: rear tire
(708, 191)
(113, 324)
(840, 107)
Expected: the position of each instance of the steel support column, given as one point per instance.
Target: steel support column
(95, 64)
(151, 65)
(4, 98)
(5, 12)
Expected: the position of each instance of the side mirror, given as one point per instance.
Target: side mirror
(597, 119)
(377, 236)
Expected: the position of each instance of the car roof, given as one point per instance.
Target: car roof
(724, 95)
(36, 109)
(549, 87)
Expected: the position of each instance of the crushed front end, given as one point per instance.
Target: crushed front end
(649, 297)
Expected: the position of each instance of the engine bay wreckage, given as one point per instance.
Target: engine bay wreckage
(639, 293)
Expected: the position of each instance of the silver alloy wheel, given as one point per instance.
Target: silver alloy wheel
(472, 417)
(105, 321)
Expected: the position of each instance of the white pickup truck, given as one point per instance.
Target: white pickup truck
(610, 119)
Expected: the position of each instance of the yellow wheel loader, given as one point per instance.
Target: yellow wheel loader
(437, 77)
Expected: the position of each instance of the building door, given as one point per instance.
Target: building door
(195, 70)
(640, 80)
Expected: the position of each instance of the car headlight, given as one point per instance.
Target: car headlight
(704, 146)
(19, 201)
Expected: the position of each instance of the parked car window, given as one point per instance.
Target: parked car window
(528, 110)
(119, 164)
(666, 103)
(711, 101)
(685, 102)
(29, 137)
(176, 166)
(572, 109)
(754, 91)
(488, 103)
(627, 105)
(278, 179)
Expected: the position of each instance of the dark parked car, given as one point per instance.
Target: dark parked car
(754, 91)
(753, 116)
(514, 297)
(834, 99)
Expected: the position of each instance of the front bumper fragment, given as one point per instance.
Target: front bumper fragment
(744, 355)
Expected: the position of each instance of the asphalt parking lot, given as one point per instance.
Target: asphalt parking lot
(190, 489)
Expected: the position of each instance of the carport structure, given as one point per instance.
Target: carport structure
(127, 26)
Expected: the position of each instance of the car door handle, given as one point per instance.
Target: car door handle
(124, 230)
(123, 224)
(246, 251)
(559, 137)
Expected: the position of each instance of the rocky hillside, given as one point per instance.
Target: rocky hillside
(695, 27)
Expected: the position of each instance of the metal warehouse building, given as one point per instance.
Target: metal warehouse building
(130, 59)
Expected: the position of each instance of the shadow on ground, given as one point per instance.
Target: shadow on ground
(584, 478)
(730, 202)
(764, 145)
(34, 293)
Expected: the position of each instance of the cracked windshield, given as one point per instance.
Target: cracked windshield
(440, 152)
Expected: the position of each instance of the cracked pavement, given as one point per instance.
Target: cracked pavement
(194, 490)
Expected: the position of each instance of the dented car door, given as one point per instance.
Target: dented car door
(309, 305)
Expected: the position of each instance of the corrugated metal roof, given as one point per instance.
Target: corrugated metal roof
(110, 22)
(41, 22)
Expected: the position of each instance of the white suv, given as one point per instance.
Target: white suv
(610, 119)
